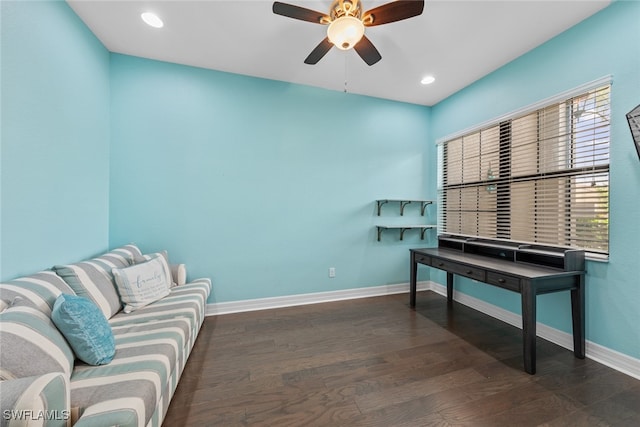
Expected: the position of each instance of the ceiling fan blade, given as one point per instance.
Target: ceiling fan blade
(301, 13)
(367, 51)
(320, 51)
(392, 12)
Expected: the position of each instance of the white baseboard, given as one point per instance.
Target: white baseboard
(611, 358)
(314, 298)
(614, 359)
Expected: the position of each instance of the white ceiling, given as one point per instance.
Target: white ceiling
(458, 42)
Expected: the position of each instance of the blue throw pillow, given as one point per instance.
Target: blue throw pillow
(85, 327)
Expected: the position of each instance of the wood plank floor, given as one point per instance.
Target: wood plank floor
(375, 362)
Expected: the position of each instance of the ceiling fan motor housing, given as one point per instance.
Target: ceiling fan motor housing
(346, 28)
(340, 8)
(346, 24)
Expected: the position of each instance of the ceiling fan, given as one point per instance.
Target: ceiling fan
(347, 22)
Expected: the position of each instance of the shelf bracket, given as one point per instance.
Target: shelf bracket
(424, 207)
(379, 232)
(402, 230)
(402, 205)
(422, 233)
(380, 203)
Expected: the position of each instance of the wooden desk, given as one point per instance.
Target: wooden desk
(523, 269)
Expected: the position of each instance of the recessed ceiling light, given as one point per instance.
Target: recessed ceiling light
(427, 80)
(152, 20)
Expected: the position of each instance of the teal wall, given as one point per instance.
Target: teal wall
(262, 185)
(54, 173)
(99, 149)
(605, 44)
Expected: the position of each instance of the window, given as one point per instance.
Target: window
(538, 176)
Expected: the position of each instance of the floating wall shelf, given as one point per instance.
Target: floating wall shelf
(404, 228)
(403, 203)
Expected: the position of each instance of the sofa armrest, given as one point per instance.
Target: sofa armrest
(179, 273)
(43, 399)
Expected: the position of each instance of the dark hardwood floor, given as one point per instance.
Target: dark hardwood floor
(375, 362)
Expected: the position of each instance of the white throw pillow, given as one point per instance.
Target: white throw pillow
(143, 283)
(165, 255)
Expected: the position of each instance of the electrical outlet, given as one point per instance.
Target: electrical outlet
(332, 272)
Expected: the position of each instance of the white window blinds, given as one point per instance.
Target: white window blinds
(540, 176)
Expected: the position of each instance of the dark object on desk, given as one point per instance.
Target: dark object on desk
(633, 117)
(530, 270)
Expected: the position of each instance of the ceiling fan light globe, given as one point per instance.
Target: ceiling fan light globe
(345, 32)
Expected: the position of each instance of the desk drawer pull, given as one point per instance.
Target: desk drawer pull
(422, 259)
(440, 264)
(469, 271)
(504, 281)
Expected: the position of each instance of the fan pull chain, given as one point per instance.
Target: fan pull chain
(345, 73)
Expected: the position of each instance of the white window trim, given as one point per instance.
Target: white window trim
(602, 81)
(560, 97)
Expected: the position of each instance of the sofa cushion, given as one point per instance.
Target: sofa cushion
(147, 355)
(127, 252)
(152, 344)
(187, 301)
(85, 328)
(31, 344)
(146, 257)
(36, 398)
(39, 290)
(93, 279)
(143, 283)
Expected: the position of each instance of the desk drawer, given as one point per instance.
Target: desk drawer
(423, 259)
(459, 269)
(504, 281)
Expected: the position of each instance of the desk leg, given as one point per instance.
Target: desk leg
(449, 287)
(577, 315)
(412, 280)
(529, 328)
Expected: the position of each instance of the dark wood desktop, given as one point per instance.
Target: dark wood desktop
(530, 270)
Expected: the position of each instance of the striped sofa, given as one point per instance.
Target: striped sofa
(42, 383)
